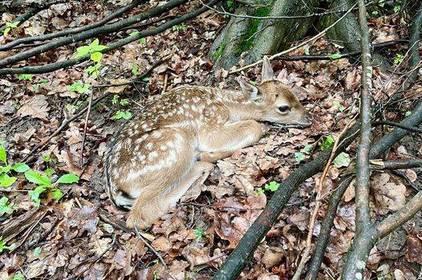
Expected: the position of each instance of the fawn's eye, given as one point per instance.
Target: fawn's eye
(284, 108)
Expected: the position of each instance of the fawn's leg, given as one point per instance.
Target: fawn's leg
(220, 142)
(150, 207)
(150, 173)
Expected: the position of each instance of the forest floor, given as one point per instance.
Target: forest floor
(72, 230)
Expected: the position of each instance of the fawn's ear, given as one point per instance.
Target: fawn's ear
(267, 70)
(249, 90)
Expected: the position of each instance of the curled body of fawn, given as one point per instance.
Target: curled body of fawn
(170, 148)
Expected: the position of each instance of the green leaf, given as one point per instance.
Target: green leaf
(9, 27)
(5, 169)
(199, 233)
(3, 246)
(5, 206)
(18, 276)
(68, 179)
(259, 191)
(25, 77)
(79, 87)
(328, 142)
(135, 70)
(6, 180)
(3, 154)
(398, 59)
(337, 105)
(37, 251)
(82, 51)
(20, 167)
(124, 102)
(334, 56)
(122, 115)
(272, 186)
(56, 194)
(342, 160)
(35, 194)
(307, 149)
(49, 172)
(37, 178)
(96, 56)
(46, 158)
(143, 41)
(299, 157)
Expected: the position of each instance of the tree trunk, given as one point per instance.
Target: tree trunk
(252, 38)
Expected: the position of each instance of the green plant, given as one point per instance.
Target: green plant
(272, 186)
(398, 59)
(9, 27)
(5, 169)
(5, 206)
(79, 87)
(18, 276)
(180, 27)
(94, 51)
(126, 115)
(342, 160)
(25, 77)
(199, 233)
(44, 184)
(335, 56)
(3, 246)
(327, 142)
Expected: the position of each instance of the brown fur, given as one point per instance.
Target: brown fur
(169, 149)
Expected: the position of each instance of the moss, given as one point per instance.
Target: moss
(219, 51)
(249, 37)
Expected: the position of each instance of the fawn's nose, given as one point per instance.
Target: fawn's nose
(305, 121)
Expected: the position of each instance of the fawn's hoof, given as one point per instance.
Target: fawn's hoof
(136, 220)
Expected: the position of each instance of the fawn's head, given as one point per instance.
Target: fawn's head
(276, 101)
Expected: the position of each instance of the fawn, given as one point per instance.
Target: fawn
(170, 148)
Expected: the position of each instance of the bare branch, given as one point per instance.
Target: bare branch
(69, 31)
(400, 217)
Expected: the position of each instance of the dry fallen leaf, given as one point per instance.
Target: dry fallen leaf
(389, 193)
(36, 106)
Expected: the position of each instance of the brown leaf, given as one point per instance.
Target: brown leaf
(36, 106)
(414, 249)
(389, 193)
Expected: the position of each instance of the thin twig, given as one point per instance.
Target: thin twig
(411, 129)
(86, 127)
(316, 37)
(139, 235)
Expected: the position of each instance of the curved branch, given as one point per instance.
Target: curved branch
(66, 32)
(63, 64)
(90, 33)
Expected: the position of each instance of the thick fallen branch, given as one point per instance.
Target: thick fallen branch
(106, 29)
(365, 233)
(44, 37)
(411, 129)
(396, 164)
(150, 32)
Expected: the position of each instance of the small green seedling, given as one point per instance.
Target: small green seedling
(126, 115)
(5, 169)
(44, 184)
(5, 206)
(25, 77)
(9, 27)
(272, 186)
(18, 276)
(180, 27)
(79, 87)
(398, 59)
(327, 142)
(199, 233)
(3, 245)
(93, 50)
